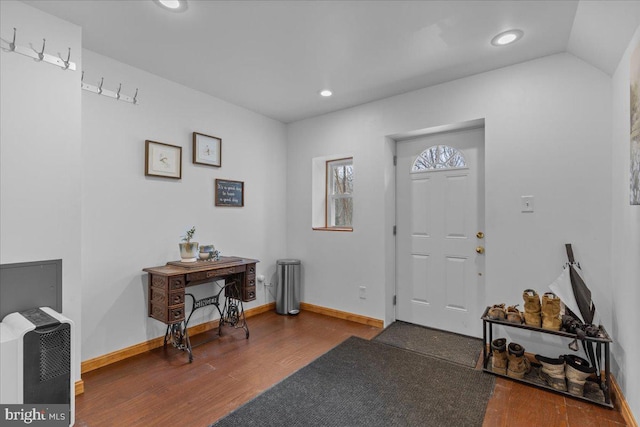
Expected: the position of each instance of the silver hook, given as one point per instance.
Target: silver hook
(40, 54)
(100, 87)
(135, 97)
(118, 94)
(66, 63)
(12, 44)
(82, 77)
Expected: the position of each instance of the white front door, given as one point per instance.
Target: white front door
(439, 213)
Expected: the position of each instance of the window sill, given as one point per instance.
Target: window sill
(332, 228)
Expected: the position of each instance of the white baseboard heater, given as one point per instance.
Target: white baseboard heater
(36, 359)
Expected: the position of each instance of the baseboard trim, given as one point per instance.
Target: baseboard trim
(342, 315)
(621, 403)
(79, 387)
(118, 355)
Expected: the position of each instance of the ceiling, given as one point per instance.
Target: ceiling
(274, 57)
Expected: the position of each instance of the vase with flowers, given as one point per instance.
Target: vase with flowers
(189, 249)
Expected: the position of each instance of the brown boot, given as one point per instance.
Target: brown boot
(496, 312)
(518, 364)
(514, 315)
(551, 312)
(499, 358)
(531, 308)
(577, 370)
(552, 372)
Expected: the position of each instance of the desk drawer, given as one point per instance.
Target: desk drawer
(244, 293)
(172, 283)
(166, 314)
(203, 275)
(250, 280)
(161, 297)
(249, 293)
(176, 283)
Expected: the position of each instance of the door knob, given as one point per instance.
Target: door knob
(480, 249)
(479, 234)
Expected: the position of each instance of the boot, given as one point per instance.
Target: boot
(531, 308)
(552, 372)
(497, 312)
(499, 359)
(577, 370)
(518, 364)
(551, 312)
(514, 315)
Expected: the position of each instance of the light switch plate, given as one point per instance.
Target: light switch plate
(527, 203)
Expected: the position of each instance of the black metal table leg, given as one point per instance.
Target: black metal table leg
(166, 335)
(232, 314)
(607, 374)
(233, 310)
(485, 356)
(179, 336)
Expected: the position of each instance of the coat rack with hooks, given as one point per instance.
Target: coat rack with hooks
(39, 56)
(111, 94)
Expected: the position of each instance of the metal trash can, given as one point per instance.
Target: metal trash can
(288, 287)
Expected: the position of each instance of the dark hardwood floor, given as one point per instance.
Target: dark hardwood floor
(161, 388)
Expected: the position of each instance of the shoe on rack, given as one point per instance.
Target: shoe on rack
(551, 312)
(497, 312)
(514, 315)
(518, 364)
(577, 370)
(552, 372)
(499, 356)
(532, 308)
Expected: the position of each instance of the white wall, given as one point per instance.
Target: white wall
(130, 221)
(547, 133)
(626, 244)
(40, 197)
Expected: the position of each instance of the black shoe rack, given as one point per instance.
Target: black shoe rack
(597, 389)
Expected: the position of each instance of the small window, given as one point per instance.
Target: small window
(439, 157)
(339, 208)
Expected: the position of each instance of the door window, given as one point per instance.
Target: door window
(439, 157)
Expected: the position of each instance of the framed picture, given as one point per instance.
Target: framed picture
(162, 160)
(229, 193)
(207, 150)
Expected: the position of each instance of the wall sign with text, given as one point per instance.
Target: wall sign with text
(229, 193)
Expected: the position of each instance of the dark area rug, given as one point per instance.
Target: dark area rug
(367, 383)
(432, 342)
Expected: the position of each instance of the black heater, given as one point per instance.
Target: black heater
(47, 359)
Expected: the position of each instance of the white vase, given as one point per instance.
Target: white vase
(188, 251)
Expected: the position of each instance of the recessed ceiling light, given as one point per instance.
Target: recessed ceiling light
(326, 93)
(173, 5)
(507, 37)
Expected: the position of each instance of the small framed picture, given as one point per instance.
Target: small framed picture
(162, 160)
(229, 193)
(207, 150)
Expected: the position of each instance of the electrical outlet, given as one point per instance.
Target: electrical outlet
(363, 292)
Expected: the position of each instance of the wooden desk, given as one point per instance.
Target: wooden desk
(167, 284)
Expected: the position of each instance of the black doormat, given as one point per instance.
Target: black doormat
(432, 342)
(367, 383)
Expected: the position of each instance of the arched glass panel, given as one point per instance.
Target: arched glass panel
(439, 157)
